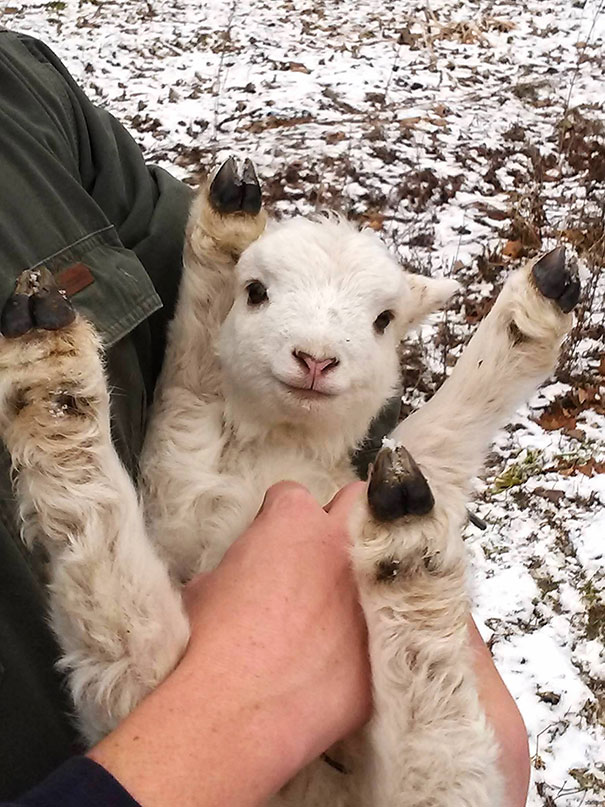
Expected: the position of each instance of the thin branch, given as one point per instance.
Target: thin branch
(219, 73)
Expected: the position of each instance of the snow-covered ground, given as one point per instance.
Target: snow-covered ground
(469, 134)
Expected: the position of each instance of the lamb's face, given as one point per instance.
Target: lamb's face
(319, 311)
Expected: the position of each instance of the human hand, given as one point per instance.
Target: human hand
(280, 616)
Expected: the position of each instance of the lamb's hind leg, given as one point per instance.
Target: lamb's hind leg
(119, 622)
(429, 740)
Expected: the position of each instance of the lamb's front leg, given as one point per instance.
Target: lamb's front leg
(429, 740)
(514, 349)
(226, 217)
(119, 622)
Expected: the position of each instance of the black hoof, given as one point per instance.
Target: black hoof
(556, 281)
(397, 487)
(51, 310)
(232, 192)
(252, 199)
(35, 303)
(16, 317)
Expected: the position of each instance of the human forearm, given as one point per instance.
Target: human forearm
(505, 718)
(203, 738)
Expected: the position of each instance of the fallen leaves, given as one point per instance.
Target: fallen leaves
(468, 32)
(512, 249)
(588, 468)
(582, 141)
(373, 219)
(549, 697)
(476, 309)
(562, 413)
(409, 123)
(297, 67)
(276, 122)
(560, 418)
(553, 496)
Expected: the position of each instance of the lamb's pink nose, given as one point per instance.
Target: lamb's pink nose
(314, 366)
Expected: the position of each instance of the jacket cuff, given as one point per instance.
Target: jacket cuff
(79, 782)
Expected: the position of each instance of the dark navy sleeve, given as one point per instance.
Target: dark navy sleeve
(79, 782)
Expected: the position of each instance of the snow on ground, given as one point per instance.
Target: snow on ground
(469, 134)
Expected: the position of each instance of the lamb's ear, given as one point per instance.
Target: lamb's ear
(427, 295)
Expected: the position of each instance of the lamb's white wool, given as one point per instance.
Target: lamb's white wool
(282, 350)
(120, 621)
(326, 284)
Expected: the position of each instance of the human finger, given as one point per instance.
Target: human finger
(284, 493)
(342, 503)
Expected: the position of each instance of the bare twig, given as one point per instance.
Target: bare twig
(219, 73)
(577, 70)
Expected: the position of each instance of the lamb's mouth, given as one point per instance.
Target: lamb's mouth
(305, 393)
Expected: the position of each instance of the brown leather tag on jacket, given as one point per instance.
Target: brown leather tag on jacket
(74, 278)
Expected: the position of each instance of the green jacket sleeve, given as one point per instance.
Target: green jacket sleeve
(74, 189)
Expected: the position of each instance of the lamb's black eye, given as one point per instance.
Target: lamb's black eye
(257, 293)
(382, 321)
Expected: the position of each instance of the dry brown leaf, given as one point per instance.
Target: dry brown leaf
(591, 398)
(512, 249)
(475, 310)
(374, 220)
(563, 412)
(408, 123)
(557, 420)
(275, 122)
(591, 468)
(574, 235)
(583, 395)
(553, 496)
(298, 67)
(549, 697)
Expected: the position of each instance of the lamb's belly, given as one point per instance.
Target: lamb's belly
(243, 492)
(322, 483)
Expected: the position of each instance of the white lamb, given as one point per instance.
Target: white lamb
(282, 351)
